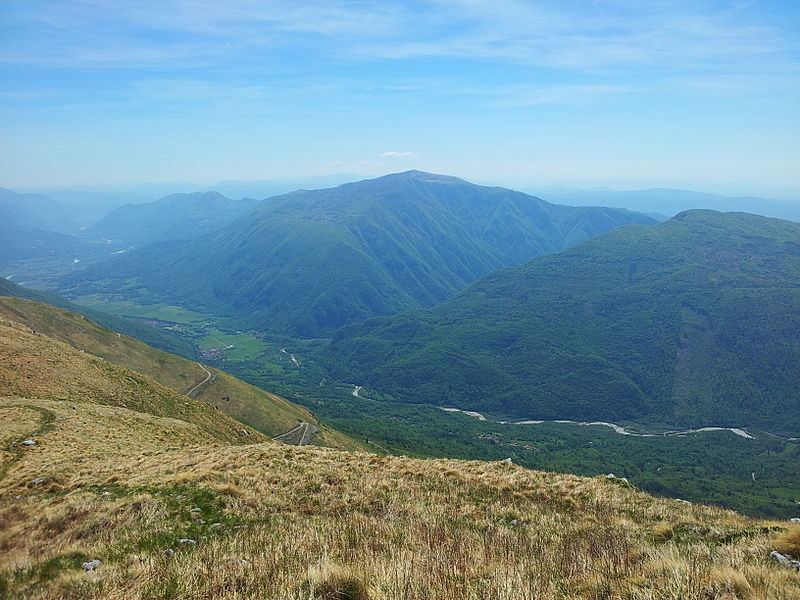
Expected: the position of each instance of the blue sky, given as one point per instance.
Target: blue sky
(587, 93)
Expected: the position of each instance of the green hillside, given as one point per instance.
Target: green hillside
(691, 322)
(265, 412)
(309, 262)
(177, 216)
(148, 334)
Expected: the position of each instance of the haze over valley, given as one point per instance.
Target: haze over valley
(380, 301)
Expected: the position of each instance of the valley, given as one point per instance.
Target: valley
(617, 351)
(105, 490)
(714, 466)
(429, 300)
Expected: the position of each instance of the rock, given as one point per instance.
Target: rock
(90, 566)
(795, 520)
(186, 541)
(29, 443)
(507, 461)
(243, 562)
(682, 500)
(74, 407)
(169, 552)
(37, 481)
(215, 525)
(784, 560)
(196, 510)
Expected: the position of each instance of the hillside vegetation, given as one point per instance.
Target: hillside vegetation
(265, 412)
(35, 366)
(173, 217)
(308, 262)
(148, 334)
(691, 322)
(172, 511)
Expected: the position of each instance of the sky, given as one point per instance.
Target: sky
(584, 93)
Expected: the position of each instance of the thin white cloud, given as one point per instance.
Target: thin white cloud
(399, 154)
(580, 35)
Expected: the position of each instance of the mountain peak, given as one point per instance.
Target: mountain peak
(415, 175)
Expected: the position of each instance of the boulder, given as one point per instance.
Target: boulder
(90, 566)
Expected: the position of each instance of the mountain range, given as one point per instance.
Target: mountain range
(309, 262)
(669, 202)
(690, 322)
(173, 217)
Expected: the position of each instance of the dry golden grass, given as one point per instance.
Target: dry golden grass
(276, 521)
(789, 542)
(305, 522)
(266, 412)
(33, 365)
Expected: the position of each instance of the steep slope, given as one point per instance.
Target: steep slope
(143, 332)
(265, 412)
(311, 261)
(37, 211)
(174, 217)
(33, 244)
(692, 322)
(35, 366)
(21, 239)
(157, 507)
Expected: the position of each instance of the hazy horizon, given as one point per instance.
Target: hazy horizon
(700, 96)
(313, 181)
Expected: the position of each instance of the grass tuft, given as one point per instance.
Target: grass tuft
(789, 542)
(330, 581)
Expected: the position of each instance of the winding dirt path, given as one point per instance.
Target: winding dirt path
(209, 375)
(305, 430)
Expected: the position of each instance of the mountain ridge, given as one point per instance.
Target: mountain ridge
(308, 262)
(173, 217)
(642, 322)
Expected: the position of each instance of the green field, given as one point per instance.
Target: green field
(160, 312)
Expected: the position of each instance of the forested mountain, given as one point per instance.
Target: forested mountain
(54, 252)
(694, 321)
(40, 212)
(173, 217)
(309, 262)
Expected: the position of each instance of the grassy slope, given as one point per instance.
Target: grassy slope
(261, 410)
(148, 334)
(274, 521)
(690, 322)
(33, 365)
